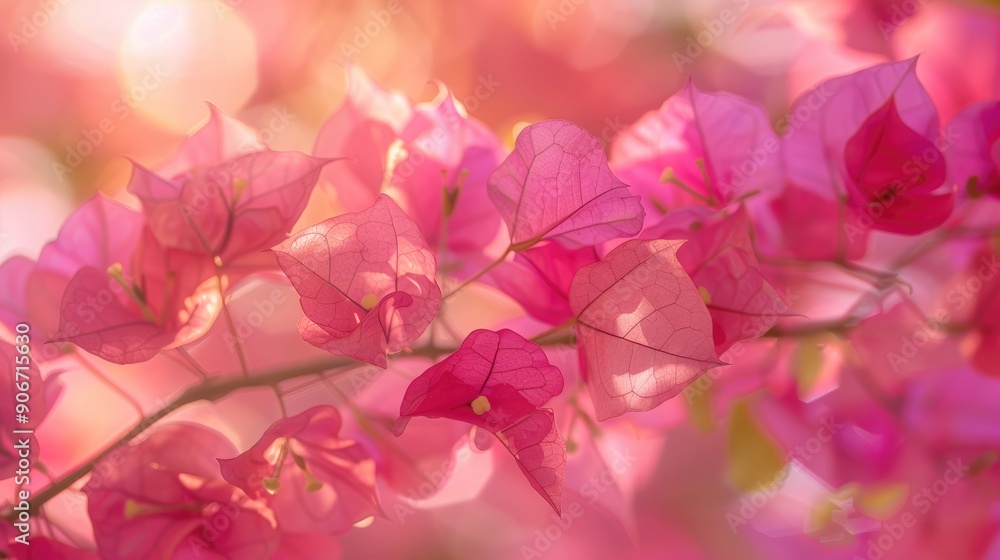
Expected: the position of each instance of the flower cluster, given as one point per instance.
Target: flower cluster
(413, 291)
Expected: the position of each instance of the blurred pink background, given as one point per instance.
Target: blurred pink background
(89, 83)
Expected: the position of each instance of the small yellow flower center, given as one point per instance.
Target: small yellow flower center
(481, 405)
(271, 484)
(668, 176)
(705, 296)
(369, 302)
(115, 271)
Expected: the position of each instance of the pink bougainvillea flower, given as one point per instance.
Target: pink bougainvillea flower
(366, 282)
(232, 210)
(893, 360)
(221, 138)
(538, 278)
(231, 201)
(402, 464)
(540, 453)
(305, 546)
(974, 161)
(21, 376)
(895, 169)
(362, 129)
(99, 233)
(557, 185)
(862, 442)
(721, 262)
(833, 111)
(431, 157)
(831, 139)
(956, 406)
(314, 481)
(492, 380)
(164, 498)
(44, 548)
(698, 148)
(127, 313)
(643, 327)
(832, 231)
(986, 358)
(120, 312)
(497, 381)
(444, 161)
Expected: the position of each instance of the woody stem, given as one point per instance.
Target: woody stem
(212, 389)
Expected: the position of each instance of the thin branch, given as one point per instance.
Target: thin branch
(211, 390)
(541, 336)
(240, 351)
(481, 273)
(279, 395)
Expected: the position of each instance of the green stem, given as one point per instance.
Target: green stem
(554, 330)
(240, 351)
(481, 273)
